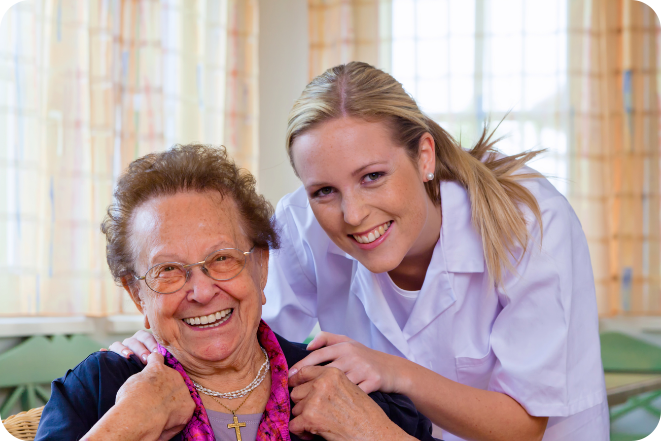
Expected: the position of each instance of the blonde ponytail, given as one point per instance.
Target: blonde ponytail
(359, 90)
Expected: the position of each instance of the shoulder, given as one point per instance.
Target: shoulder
(297, 223)
(84, 394)
(294, 208)
(100, 375)
(293, 352)
(303, 242)
(545, 193)
(106, 366)
(297, 198)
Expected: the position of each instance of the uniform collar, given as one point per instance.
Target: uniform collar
(461, 242)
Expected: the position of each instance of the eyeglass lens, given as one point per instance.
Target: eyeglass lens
(169, 277)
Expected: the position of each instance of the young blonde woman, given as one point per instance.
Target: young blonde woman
(461, 279)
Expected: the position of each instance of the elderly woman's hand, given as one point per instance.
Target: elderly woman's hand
(154, 404)
(161, 395)
(329, 405)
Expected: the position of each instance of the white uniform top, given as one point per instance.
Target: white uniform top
(536, 340)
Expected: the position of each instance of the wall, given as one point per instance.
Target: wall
(283, 73)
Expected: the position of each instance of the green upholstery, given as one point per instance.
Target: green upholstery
(39, 360)
(626, 437)
(625, 358)
(622, 353)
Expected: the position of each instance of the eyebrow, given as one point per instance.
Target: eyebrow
(359, 170)
(162, 258)
(353, 173)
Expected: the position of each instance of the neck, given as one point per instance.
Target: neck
(230, 374)
(411, 272)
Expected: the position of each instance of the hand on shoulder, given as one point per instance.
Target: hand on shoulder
(371, 370)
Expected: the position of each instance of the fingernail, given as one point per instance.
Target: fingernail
(155, 349)
(126, 352)
(144, 357)
(292, 372)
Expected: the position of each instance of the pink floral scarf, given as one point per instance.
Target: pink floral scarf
(275, 421)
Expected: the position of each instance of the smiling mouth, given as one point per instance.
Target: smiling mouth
(211, 320)
(372, 235)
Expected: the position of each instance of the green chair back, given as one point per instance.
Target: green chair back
(622, 353)
(37, 361)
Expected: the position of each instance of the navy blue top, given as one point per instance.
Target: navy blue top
(80, 398)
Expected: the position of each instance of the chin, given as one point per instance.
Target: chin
(212, 353)
(380, 265)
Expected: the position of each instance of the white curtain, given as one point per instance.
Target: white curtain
(85, 88)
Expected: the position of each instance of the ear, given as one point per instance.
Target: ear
(132, 287)
(264, 271)
(426, 155)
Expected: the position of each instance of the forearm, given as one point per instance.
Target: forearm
(470, 413)
(121, 423)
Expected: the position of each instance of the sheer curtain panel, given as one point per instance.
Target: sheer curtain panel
(349, 30)
(614, 148)
(85, 88)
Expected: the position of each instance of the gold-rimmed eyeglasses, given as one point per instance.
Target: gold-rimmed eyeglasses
(170, 277)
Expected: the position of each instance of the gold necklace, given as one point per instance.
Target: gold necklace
(236, 425)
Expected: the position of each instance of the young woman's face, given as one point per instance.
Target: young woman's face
(365, 191)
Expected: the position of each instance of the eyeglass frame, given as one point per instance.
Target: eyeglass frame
(188, 268)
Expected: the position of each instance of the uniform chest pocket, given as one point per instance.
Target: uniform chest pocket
(475, 372)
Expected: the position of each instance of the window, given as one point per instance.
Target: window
(467, 61)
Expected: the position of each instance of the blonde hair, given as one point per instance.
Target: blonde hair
(359, 90)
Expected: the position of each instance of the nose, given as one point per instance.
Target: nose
(354, 209)
(200, 287)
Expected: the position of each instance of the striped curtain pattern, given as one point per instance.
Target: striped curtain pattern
(348, 30)
(85, 88)
(614, 148)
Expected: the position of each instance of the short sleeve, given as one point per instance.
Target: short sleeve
(546, 338)
(80, 398)
(291, 292)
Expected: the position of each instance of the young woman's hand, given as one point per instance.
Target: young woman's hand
(369, 369)
(141, 344)
(329, 405)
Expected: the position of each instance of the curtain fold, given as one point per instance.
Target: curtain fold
(85, 88)
(614, 148)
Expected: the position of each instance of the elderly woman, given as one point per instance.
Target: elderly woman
(188, 238)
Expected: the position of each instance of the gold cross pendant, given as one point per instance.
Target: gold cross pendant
(236, 426)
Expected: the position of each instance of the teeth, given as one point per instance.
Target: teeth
(207, 321)
(373, 235)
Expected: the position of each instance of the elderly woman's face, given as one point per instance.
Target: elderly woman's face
(186, 228)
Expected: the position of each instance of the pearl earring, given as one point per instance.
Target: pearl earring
(430, 176)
